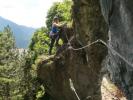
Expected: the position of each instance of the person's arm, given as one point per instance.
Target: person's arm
(57, 25)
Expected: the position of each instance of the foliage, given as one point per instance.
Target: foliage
(9, 64)
(17, 78)
(40, 41)
(60, 9)
(29, 83)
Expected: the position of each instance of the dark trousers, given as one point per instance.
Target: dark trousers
(54, 38)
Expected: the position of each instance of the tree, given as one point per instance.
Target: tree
(40, 42)
(8, 63)
(12, 68)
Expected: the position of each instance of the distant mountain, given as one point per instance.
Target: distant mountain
(21, 33)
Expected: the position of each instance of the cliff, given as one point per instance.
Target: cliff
(119, 59)
(75, 71)
(81, 66)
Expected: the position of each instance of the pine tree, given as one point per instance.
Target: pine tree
(9, 64)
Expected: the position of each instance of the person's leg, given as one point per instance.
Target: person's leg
(51, 45)
(57, 40)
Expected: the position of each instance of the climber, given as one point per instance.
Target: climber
(54, 35)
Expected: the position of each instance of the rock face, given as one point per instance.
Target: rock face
(82, 66)
(121, 40)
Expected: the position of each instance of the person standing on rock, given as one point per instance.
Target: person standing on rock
(54, 35)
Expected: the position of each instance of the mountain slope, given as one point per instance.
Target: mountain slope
(21, 33)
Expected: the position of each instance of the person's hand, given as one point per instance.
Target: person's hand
(64, 24)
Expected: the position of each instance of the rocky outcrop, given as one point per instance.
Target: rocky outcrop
(82, 66)
(120, 23)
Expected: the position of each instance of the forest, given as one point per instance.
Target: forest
(92, 61)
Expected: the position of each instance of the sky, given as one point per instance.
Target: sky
(30, 13)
